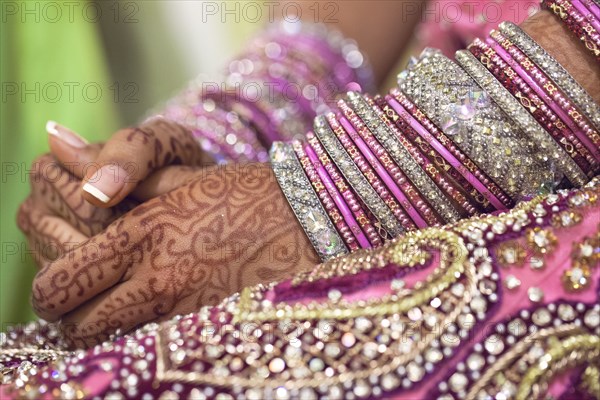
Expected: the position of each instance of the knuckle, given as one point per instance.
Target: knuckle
(39, 166)
(23, 221)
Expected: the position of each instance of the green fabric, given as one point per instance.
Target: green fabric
(50, 54)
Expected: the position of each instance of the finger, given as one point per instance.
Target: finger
(133, 154)
(85, 271)
(57, 192)
(72, 151)
(49, 237)
(165, 180)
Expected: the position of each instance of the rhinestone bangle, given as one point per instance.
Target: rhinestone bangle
(527, 123)
(369, 173)
(505, 75)
(337, 198)
(444, 173)
(357, 208)
(554, 70)
(528, 73)
(380, 157)
(576, 23)
(402, 157)
(387, 223)
(330, 206)
(370, 165)
(449, 151)
(304, 202)
(586, 133)
(465, 112)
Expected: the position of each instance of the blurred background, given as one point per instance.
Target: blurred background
(94, 67)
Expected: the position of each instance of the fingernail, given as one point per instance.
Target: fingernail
(65, 134)
(106, 182)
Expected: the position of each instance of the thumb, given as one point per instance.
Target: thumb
(73, 152)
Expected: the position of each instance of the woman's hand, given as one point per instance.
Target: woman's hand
(112, 171)
(227, 229)
(55, 218)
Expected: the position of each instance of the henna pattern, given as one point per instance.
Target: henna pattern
(168, 142)
(186, 249)
(58, 192)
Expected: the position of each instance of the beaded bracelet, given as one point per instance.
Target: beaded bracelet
(372, 177)
(519, 114)
(451, 153)
(478, 126)
(352, 121)
(304, 202)
(465, 198)
(555, 71)
(561, 106)
(386, 224)
(576, 23)
(403, 158)
(352, 137)
(505, 75)
(325, 196)
(349, 196)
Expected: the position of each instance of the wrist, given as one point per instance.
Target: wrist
(556, 39)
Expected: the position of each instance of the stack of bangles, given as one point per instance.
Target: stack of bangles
(271, 92)
(503, 123)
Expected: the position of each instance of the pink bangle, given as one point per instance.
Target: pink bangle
(349, 196)
(591, 138)
(528, 99)
(211, 127)
(337, 197)
(559, 104)
(444, 146)
(368, 172)
(249, 110)
(328, 203)
(382, 173)
(426, 158)
(577, 24)
(593, 7)
(587, 14)
(382, 157)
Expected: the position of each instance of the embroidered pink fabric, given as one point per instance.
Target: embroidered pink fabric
(178, 356)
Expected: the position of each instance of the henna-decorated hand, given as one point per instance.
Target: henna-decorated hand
(112, 171)
(55, 218)
(229, 228)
